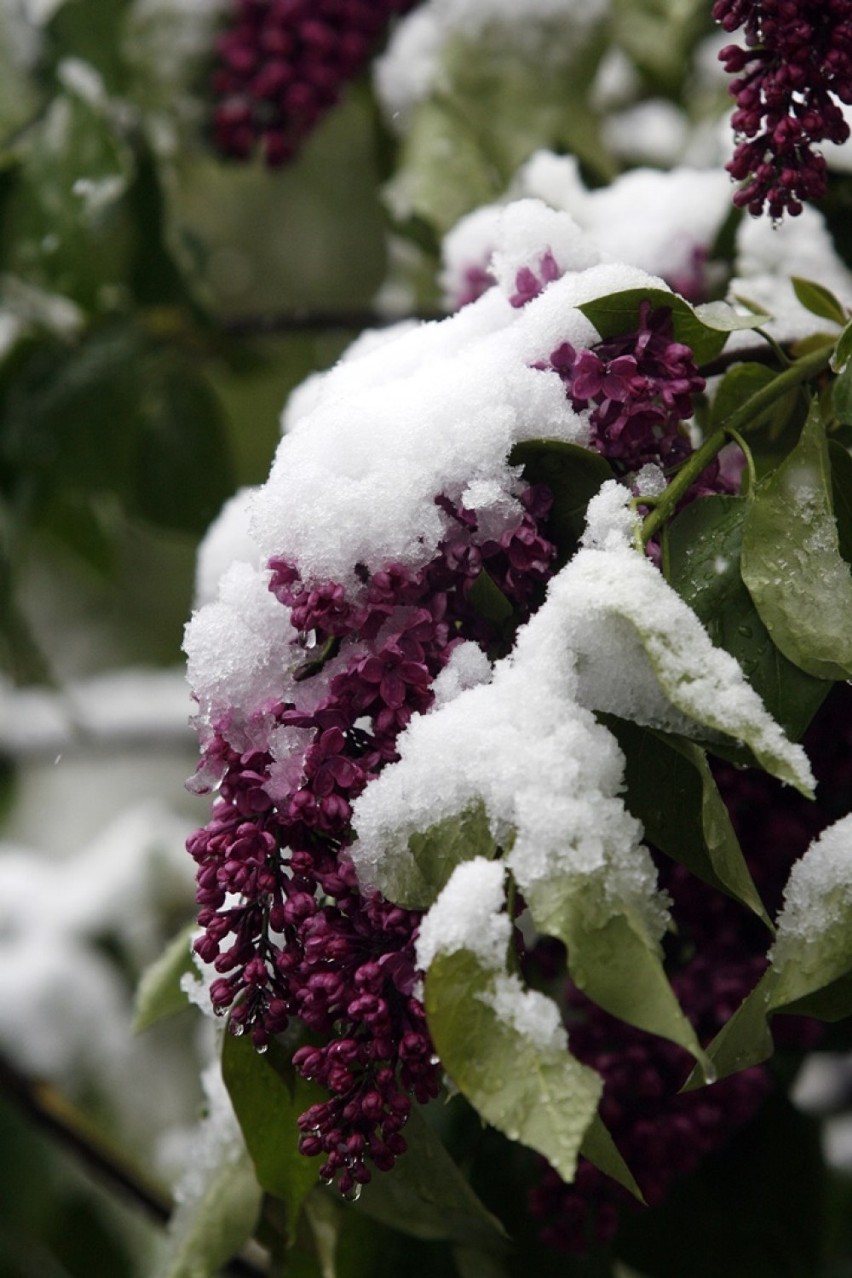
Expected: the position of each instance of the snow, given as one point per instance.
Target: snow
(226, 541)
(430, 410)
(530, 1014)
(663, 223)
(767, 256)
(611, 635)
(818, 896)
(468, 915)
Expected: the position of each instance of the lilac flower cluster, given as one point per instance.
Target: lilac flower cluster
(640, 385)
(796, 63)
(286, 925)
(664, 1135)
(283, 65)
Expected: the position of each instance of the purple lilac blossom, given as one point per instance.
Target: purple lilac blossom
(282, 65)
(285, 924)
(796, 63)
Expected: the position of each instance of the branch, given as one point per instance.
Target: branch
(298, 321)
(68, 1127)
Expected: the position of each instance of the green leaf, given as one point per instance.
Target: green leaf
(843, 350)
(704, 548)
(671, 790)
(738, 385)
(745, 1039)
(268, 1096)
(210, 1231)
(819, 300)
(18, 96)
(540, 1096)
(573, 474)
(183, 470)
(471, 1263)
(427, 1196)
(791, 563)
(66, 227)
(704, 331)
(489, 601)
(841, 395)
(159, 994)
(615, 964)
(841, 493)
(600, 1149)
(69, 415)
(437, 851)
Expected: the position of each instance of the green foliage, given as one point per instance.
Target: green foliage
(211, 1230)
(791, 562)
(573, 475)
(703, 328)
(819, 300)
(704, 549)
(268, 1096)
(437, 851)
(159, 994)
(538, 1095)
(428, 1196)
(671, 790)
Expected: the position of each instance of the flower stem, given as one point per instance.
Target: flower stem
(739, 421)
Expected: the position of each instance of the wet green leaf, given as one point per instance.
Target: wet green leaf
(426, 1195)
(615, 964)
(791, 563)
(739, 384)
(159, 994)
(704, 549)
(671, 790)
(268, 1096)
(540, 1096)
(211, 1231)
(67, 229)
(573, 474)
(183, 470)
(437, 851)
(843, 350)
(704, 331)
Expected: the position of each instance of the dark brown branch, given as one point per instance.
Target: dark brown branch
(49, 1110)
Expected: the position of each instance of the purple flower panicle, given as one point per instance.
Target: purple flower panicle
(640, 388)
(796, 64)
(282, 65)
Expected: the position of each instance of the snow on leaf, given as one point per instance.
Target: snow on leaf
(531, 1089)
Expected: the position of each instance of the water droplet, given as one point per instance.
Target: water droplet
(237, 1029)
(710, 1073)
(326, 1180)
(263, 1049)
(352, 1195)
(434, 1059)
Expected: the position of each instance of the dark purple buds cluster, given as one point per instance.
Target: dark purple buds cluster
(282, 64)
(285, 924)
(640, 388)
(796, 65)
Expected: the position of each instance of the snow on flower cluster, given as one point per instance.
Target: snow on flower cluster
(318, 662)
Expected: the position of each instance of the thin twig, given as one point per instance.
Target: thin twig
(54, 1114)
